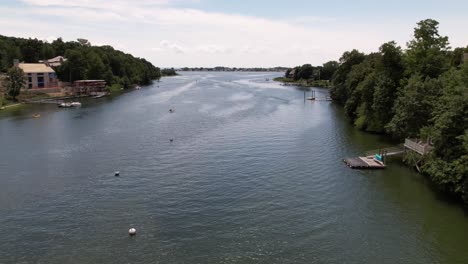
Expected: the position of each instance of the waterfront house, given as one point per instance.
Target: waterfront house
(39, 76)
(88, 87)
(292, 73)
(54, 62)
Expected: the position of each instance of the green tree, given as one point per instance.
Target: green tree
(339, 91)
(427, 52)
(95, 68)
(47, 52)
(328, 69)
(14, 82)
(306, 71)
(8, 53)
(414, 106)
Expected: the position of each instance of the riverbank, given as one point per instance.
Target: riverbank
(29, 97)
(22, 99)
(304, 83)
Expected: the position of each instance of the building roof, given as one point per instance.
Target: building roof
(35, 68)
(57, 59)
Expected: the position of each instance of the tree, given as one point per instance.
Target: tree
(391, 62)
(328, 69)
(83, 60)
(347, 61)
(95, 68)
(414, 106)
(31, 50)
(47, 52)
(427, 52)
(450, 115)
(306, 71)
(14, 82)
(8, 53)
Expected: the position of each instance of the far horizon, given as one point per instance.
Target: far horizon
(182, 33)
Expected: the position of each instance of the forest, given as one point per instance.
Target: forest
(83, 60)
(418, 92)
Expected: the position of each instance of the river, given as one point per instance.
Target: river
(253, 175)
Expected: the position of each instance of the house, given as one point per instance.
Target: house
(88, 87)
(292, 73)
(54, 62)
(39, 76)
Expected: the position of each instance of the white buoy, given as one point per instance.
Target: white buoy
(117, 173)
(132, 231)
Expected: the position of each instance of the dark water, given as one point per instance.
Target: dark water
(254, 175)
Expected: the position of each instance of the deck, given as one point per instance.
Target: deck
(363, 163)
(417, 146)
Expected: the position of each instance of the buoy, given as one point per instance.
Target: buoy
(117, 173)
(171, 139)
(132, 231)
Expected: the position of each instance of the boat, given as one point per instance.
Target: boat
(69, 104)
(138, 87)
(99, 95)
(64, 105)
(36, 116)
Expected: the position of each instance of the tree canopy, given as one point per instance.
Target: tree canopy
(84, 61)
(419, 92)
(14, 82)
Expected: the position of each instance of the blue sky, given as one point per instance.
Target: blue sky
(232, 33)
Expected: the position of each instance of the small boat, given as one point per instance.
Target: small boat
(100, 95)
(64, 105)
(138, 87)
(36, 116)
(68, 105)
(171, 110)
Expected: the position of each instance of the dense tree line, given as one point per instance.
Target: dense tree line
(420, 92)
(84, 61)
(168, 72)
(309, 72)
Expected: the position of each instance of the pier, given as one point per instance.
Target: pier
(364, 163)
(373, 159)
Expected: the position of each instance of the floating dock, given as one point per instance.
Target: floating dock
(364, 163)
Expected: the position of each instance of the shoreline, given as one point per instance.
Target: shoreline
(303, 83)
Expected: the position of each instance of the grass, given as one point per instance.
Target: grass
(6, 102)
(115, 89)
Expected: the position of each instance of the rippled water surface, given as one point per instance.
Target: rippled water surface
(254, 175)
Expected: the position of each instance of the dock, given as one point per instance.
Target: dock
(364, 163)
(376, 159)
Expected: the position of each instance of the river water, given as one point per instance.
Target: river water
(253, 175)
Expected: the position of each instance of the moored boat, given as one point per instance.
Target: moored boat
(69, 104)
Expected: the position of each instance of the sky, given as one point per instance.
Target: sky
(254, 33)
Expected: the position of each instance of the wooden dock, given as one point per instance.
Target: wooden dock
(364, 163)
(369, 161)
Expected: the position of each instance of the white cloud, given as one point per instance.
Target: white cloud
(170, 36)
(166, 45)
